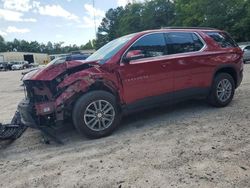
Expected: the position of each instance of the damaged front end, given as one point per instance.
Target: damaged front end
(38, 108)
(50, 93)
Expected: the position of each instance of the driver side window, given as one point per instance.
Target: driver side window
(151, 45)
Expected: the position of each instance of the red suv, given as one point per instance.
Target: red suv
(133, 72)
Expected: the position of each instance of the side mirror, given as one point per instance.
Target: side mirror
(133, 55)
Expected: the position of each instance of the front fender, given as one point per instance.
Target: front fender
(80, 82)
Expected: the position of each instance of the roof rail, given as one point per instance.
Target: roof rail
(208, 28)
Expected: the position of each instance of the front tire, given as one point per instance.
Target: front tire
(222, 90)
(96, 114)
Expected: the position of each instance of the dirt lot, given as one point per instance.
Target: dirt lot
(187, 145)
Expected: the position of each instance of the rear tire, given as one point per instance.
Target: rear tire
(222, 90)
(96, 114)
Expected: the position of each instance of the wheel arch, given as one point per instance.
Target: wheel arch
(231, 70)
(103, 86)
(98, 85)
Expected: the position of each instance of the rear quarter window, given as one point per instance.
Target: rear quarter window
(223, 39)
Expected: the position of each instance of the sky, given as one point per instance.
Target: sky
(68, 21)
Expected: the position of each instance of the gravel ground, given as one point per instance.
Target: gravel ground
(187, 145)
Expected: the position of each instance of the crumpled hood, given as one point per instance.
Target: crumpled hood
(51, 72)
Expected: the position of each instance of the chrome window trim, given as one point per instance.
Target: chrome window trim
(160, 32)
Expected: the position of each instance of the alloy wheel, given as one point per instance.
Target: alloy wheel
(99, 115)
(224, 90)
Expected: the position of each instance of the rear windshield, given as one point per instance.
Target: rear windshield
(223, 39)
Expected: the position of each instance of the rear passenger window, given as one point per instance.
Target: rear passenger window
(178, 42)
(223, 39)
(151, 45)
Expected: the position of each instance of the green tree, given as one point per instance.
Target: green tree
(49, 48)
(34, 46)
(157, 14)
(89, 45)
(133, 18)
(229, 15)
(130, 20)
(16, 45)
(24, 46)
(3, 46)
(241, 27)
(108, 30)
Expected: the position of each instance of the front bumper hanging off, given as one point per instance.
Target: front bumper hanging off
(27, 118)
(21, 121)
(13, 130)
(25, 110)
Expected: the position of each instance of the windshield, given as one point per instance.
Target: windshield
(110, 49)
(56, 61)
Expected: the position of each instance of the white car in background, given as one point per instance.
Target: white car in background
(20, 65)
(246, 50)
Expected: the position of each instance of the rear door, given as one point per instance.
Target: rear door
(150, 75)
(189, 66)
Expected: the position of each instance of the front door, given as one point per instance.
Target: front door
(151, 73)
